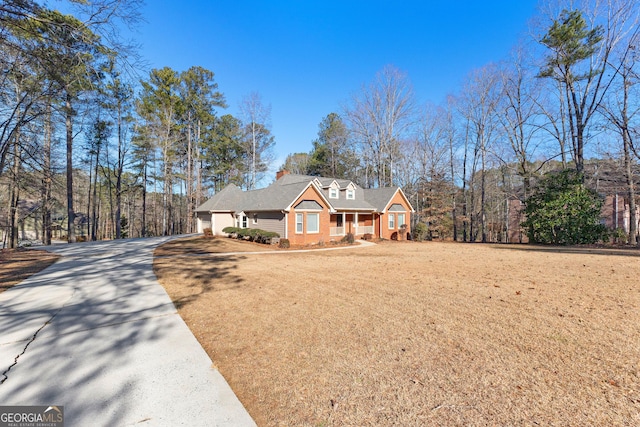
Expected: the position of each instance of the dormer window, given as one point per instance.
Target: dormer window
(351, 194)
(333, 193)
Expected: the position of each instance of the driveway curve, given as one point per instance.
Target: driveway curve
(96, 333)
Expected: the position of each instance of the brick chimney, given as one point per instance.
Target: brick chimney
(281, 173)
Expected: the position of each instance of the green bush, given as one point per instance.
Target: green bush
(231, 230)
(251, 234)
(562, 211)
(420, 231)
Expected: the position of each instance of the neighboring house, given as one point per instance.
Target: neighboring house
(308, 209)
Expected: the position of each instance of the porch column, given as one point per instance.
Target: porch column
(356, 224)
(344, 223)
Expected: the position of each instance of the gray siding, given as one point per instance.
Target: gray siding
(268, 221)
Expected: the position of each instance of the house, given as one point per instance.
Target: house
(309, 209)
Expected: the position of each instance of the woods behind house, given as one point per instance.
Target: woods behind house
(92, 147)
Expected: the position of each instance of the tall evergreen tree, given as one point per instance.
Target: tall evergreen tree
(573, 62)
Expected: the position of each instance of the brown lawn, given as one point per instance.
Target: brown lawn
(17, 265)
(412, 333)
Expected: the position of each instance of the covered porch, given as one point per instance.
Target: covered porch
(357, 223)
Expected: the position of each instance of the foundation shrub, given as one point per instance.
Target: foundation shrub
(284, 244)
(348, 238)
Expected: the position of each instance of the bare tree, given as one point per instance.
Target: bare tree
(622, 113)
(256, 117)
(379, 117)
(478, 105)
(521, 117)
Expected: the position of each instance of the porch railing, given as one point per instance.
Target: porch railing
(340, 231)
(336, 231)
(365, 229)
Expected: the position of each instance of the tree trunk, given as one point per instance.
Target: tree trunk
(189, 182)
(46, 179)
(118, 172)
(71, 232)
(15, 195)
(483, 213)
(94, 212)
(143, 226)
(633, 220)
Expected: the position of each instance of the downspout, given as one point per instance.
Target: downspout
(286, 224)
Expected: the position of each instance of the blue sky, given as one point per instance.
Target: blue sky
(307, 58)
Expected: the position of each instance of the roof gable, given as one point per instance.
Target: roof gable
(309, 205)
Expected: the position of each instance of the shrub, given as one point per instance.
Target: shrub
(208, 232)
(231, 230)
(562, 211)
(284, 244)
(348, 238)
(251, 234)
(619, 236)
(420, 231)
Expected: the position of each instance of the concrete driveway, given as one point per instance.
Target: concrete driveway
(97, 334)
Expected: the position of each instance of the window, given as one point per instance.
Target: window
(299, 219)
(392, 221)
(333, 193)
(401, 220)
(255, 218)
(313, 223)
(244, 221)
(351, 194)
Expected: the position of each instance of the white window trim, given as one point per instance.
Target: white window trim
(317, 231)
(351, 194)
(301, 222)
(404, 221)
(333, 193)
(244, 221)
(391, 222)
(255, 218)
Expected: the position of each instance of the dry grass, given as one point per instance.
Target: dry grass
(420, 334)
(17, 265)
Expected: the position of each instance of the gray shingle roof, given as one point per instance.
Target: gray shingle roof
(359, 203)
(274, 197)
(379, 197)
(280, 194)
(228, 199)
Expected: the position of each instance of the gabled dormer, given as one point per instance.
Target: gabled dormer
(334, 190)
(350, 191)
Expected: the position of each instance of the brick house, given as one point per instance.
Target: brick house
(309, 209)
